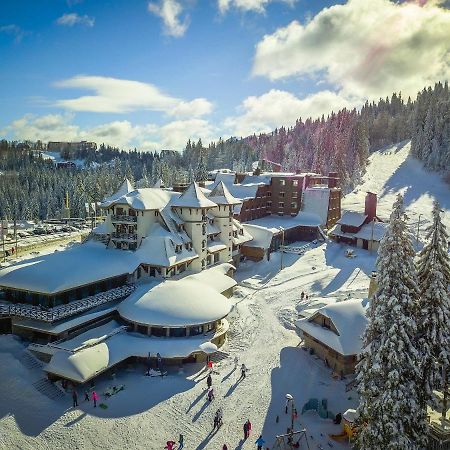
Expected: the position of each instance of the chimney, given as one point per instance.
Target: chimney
(373, 285)
(370, 206)
(333, 179)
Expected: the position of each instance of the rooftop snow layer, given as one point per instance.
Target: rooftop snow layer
(275, 222)
(222, 196)
(143, 199)
(349, 318)
(179, 303)
(262, 237)
(353, 219)
(193, 197)
(372, 231)
(124, 189)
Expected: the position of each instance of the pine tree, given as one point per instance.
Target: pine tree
(434, 306)
(390, 415)
(201, 174)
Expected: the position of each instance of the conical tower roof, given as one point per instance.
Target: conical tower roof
(193, 197)
(222, 196)
(159, 184)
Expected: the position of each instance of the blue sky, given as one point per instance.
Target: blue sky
(154, 73)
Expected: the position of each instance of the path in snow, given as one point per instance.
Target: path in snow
(394, 171)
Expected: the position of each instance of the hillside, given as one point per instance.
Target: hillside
(393, 170)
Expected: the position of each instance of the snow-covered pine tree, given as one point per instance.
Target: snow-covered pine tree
(201, 174)
(433, 271)
(390, 414)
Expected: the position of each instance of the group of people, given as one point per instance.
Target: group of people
(259, 443)
(304, 296)
(86, 397)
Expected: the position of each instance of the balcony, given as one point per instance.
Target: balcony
(124, 237)
(63, 311)
(123, 219)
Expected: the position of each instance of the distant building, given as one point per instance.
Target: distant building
(81, 145)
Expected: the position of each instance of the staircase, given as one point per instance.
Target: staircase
(47, 388)
(30, 362)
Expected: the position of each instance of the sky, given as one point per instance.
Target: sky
(151, 74)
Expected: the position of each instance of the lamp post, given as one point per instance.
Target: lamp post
(290, 400)
(282, 247)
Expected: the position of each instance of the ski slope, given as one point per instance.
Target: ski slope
(392, 171)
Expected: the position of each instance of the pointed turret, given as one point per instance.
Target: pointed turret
(222, 196)
(193, 197)
(159, 184)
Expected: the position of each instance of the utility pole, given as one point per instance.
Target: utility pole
(282, 247)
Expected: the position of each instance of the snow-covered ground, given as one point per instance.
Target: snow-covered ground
(151, 411)
(392, 171)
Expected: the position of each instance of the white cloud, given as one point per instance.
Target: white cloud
(13, 30)
(368, 49)
(280, 108)
(258, 6)
(170, 12)
(72, 19)
(118, 96)
(120, 133)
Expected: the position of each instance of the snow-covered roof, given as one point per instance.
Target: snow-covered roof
(262, 237)
(274, 222)
(143, 199)
(349, 318)
(214, 247)
(226, 178)
(222, 196)
(193, 197)
(216, 277)
(244, 191)
(257, 179)
(352, 218)
(124, 189)
(372, 231)
(86, 363)
(336, 231)
(242, 234)
(159, 184)
(178, 303)
(91, 262)
(211, 228)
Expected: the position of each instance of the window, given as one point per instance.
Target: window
(269, 203)
(216, 257)
(281, 194)
(195, 331)
(177, 332)
(294, 182)
(294, 205)
(269, 194)
(156, 213)
(294, 195)
(281, 204)
(203, 244)
(282, 182)
(326, 322)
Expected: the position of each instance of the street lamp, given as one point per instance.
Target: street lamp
(290, 399)
(282, 247)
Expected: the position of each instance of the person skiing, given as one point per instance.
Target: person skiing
(260, 442)
(245, 430)
(243, 370)
(181, 442)
(249, 427)
(170, 445)
(74, 398)
(94, 398)
(86, 396)
(211, 394)
(209, 381)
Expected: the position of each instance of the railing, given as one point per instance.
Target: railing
(124, 236)
(122, 218)
(63, 311)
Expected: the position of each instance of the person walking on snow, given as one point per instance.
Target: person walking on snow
(245, 430)
(74, 398)
(260, 442)
(94, 398)
(209, 381)
(86, 396)
(170, 445)
(181, 442)
(249, 427)
(211, 394)
(243, 370)
(224, 447)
